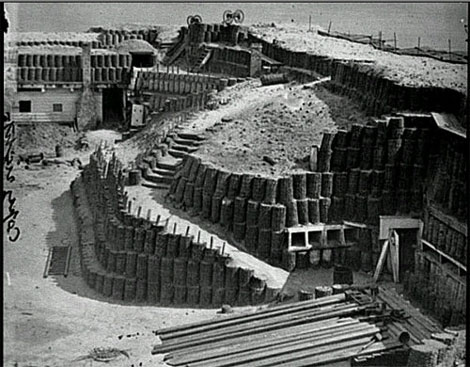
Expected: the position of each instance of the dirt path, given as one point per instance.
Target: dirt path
(147, 198)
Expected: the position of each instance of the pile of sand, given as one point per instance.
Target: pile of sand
(43, 137)
(405, 70)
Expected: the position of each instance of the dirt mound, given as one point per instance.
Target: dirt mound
(44, 137)
(405, 70)
(280, 122)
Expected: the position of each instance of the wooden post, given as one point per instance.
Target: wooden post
(450, 51)
(419, 43)
(139, 211)
(313, 159)
(309, 23)
(149, 214)
(174, 228)
(394, 248)
(381, 262)
(380, 40)
(329, 27)
(394, 41)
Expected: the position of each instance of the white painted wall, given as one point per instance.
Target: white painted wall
(42, 105)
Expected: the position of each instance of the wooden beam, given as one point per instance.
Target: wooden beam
(344, 312)
(263, 344)
(255, 325)
(257, 314)
(267, 335)
(381, 262)
(290, 351)
(394, 250)
(443, 254)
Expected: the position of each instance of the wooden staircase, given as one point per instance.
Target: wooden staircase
(203, 57)
(175, 52)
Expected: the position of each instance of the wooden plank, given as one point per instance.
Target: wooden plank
(282, 340)
(336, 353)
(443, 254)
(306, 319)
(263, 322)
(448, 122)
(381, 261)
(67, 263)
(48, 263)
(272, 310)
(449, 220)
(388, 222)
(341, 353)
(254, 325)
(417, 324)
(394, 248)
(288, 351)
(412, 311)
(267, 335)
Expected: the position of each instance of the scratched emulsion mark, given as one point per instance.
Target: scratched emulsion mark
(9, 212)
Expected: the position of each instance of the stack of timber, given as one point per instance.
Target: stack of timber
(306, 333)
(415, 323)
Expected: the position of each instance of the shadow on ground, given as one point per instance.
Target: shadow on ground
(343, 110)
(65, 233)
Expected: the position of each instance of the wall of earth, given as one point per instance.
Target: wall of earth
(363, 82)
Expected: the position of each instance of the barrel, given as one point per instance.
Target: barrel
(135, 176)
(59, 151)
(271, 79)
(342, 275)
(323, 291)
(304, 295)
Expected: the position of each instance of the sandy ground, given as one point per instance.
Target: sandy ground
(406, 70)
(52, 321)
(178, 222)
(280, 121)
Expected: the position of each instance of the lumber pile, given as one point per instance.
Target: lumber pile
(305, 333)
